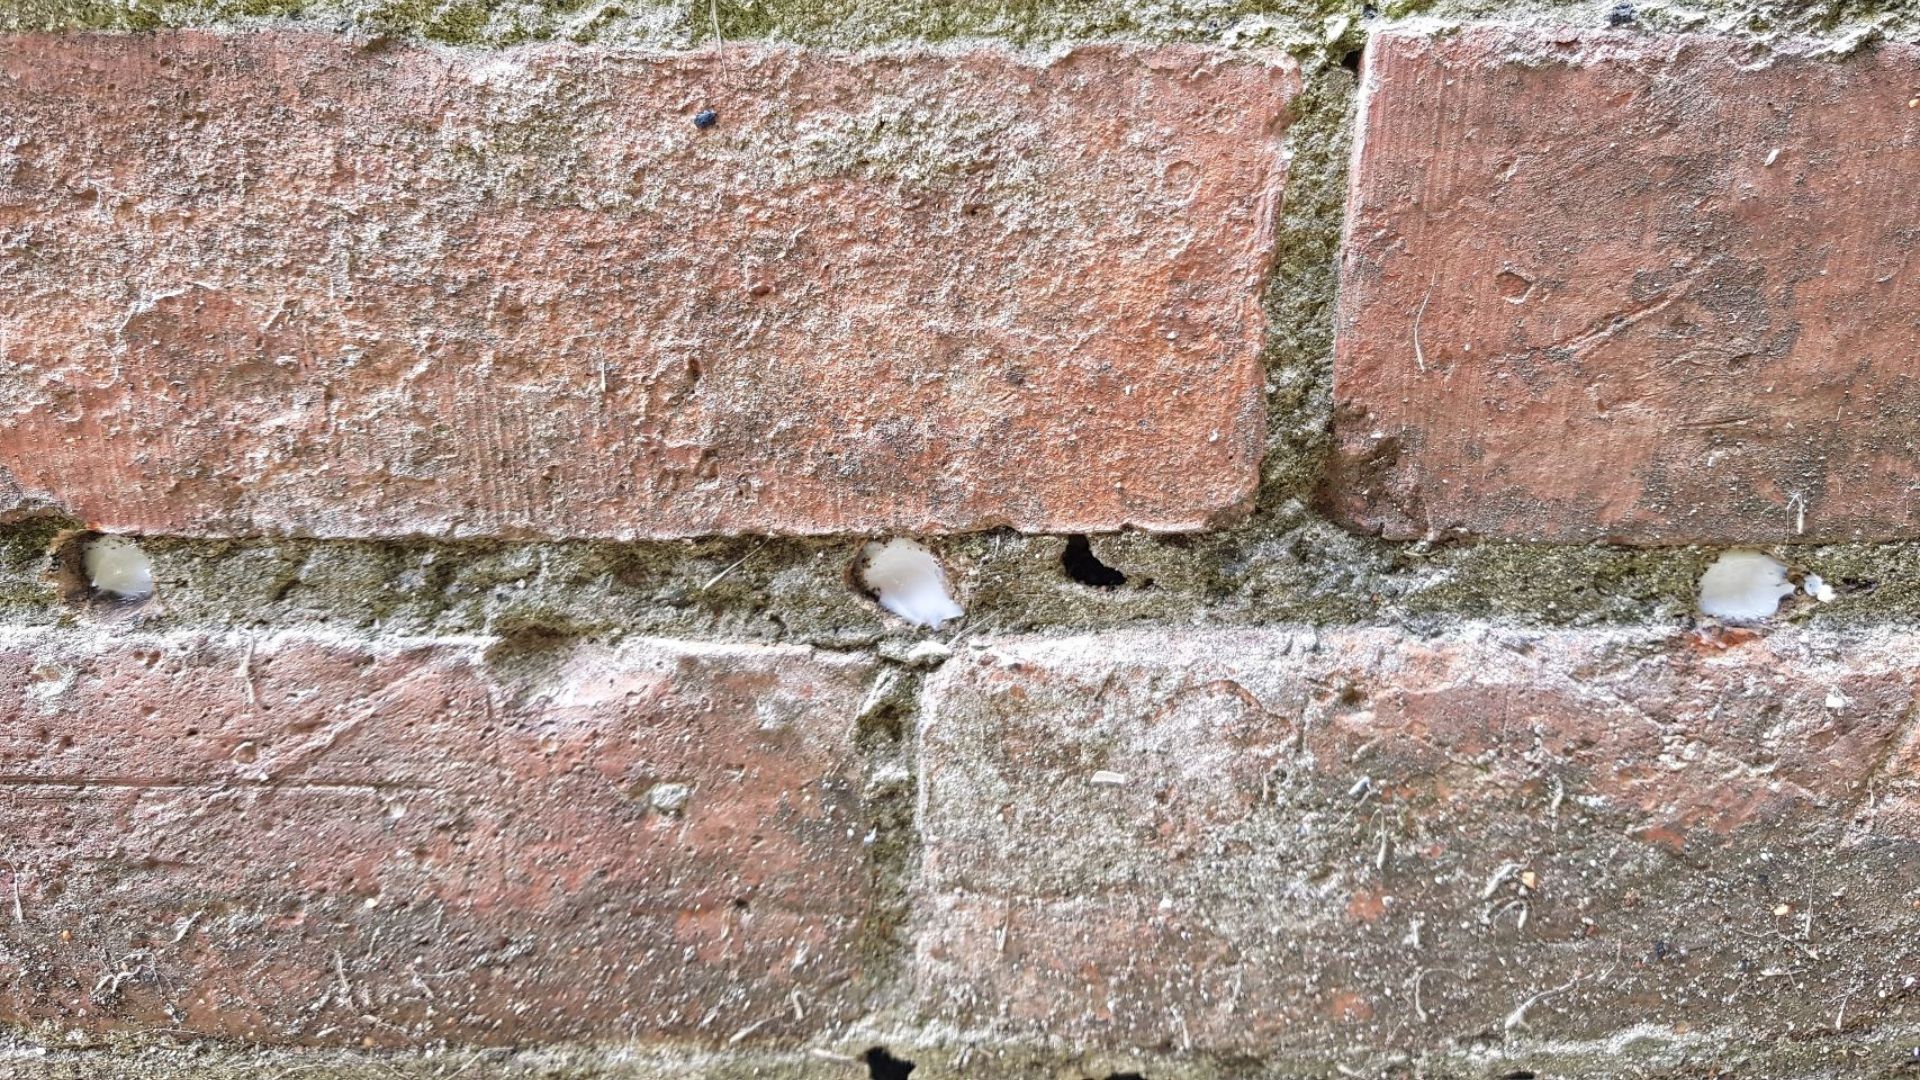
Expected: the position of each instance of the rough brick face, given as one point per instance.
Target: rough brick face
(315, 841)
(1243, 841)
(1630, 287)
(361, 759)
(280, 282)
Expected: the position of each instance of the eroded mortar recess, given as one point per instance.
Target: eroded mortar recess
(1289, 567)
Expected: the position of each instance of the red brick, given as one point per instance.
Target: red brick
(1659, 284)
(1299, 827)
(316, 841)
(277, 282)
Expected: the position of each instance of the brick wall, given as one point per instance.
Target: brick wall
(1323, 415)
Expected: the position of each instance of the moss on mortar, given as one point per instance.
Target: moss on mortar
(1299, 25)
(1294, 569)
(1300, 291)
(25, 560)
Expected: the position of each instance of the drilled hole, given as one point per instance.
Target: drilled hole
(102, 573)
(907, 579)
(882, 1065)
(1351, 61)
(1080, 563)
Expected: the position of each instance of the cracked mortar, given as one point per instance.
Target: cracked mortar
(1286, 565)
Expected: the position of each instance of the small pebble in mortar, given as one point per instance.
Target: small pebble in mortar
(705, 119)
(1743, 586)
(669, 798)
(928, 654)
(908, 580)
(116, 566)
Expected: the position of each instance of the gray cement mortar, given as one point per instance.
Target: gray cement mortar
(1285, 565)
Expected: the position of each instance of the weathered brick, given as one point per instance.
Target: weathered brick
(280, 282)
(298, 839)
(1243, 841)
(1631, 287)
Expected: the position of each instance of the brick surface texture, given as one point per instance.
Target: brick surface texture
(1240, 840)
(282, 282)
(1629, 287)
(1434, 762)
(301, 840)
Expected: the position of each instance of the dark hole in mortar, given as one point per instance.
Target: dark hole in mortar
(1126, 1076)
(884, 1066)
(1351, 61)
(1519, 1074)
(1080, 563)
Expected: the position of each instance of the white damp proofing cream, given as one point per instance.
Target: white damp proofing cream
(1816, 586)
(1743, 586)
(116, 566)
(908, 580)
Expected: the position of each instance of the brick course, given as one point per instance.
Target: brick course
(1629, 287)
(304, 840)
(1234, 841)
(521, 294)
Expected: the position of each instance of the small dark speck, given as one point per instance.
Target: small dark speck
(1621, 15)
(705, 119)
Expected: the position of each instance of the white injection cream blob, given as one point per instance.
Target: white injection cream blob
(908, 580)
(117, 567)
(1743, 586)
